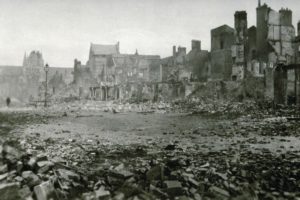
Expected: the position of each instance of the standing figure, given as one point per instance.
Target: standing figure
(7, 101)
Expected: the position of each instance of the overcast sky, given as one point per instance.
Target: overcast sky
(64, 29)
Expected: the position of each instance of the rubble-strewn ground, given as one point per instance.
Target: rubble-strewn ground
(185, 150)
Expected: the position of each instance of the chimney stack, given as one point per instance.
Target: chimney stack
(298, 28)
(174, 50)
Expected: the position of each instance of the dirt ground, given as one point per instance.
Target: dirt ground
(209, 133)
(206, 156)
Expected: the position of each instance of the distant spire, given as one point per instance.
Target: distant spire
(136, 52)
(259, 3)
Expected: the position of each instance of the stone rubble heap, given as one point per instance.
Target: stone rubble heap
(193, 105)
(141, 172)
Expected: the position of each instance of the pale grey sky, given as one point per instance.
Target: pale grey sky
(64, 29)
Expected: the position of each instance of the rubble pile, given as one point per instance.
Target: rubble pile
(26, 176)
(65, 95)
(88, 170)
(9, 120)
(194, 105)
(213, 106)
(114, 107)
(269, 126)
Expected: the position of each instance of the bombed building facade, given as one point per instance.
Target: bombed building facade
(110, 75)
(261, 61)
(191, 66)
(264, 56)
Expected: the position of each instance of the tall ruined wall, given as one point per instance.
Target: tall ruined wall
(196, 45)
(286, 16)
(252, 51)
(262, 33)
(275, 34)
(198, 62)
(240, 47)
(281, 33)
(221, 64)
(241, 27)
(222, 39)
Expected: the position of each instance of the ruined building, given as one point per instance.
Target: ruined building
(174, 67)
(263, 60)
(253, 67)
(182, 66)
(275, 36)
(108, 74)
(240, 47)
(198, 62)
(222, 39)
(100, 61)
(265, 57)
